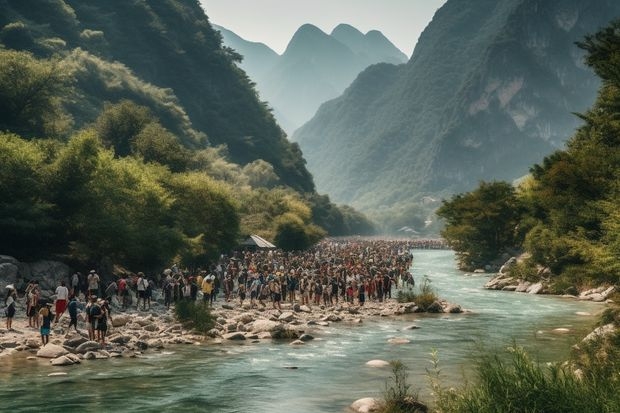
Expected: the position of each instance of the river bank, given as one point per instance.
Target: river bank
(325, 374)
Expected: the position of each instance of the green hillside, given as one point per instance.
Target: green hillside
(163, 54)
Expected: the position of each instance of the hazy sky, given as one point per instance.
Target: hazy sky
(274, 22)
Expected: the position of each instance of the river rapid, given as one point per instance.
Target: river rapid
(324, 375)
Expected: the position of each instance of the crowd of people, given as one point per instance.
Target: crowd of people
(334, 272)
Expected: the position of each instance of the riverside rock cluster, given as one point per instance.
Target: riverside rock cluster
(506, 282)
(134, 332)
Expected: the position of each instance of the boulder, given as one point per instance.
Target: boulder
(454, 309)
(228, 307)
(377, 363)
(88, 346)
(435, 307)
(90, 355)
(51, 351)
(305, 309)
(298, 343)
(8, 273)
(155, 343)
(535, 288)
(287, 317)
(260, 326)
(601, 331)
(74, 341)
(62, 361)
(365, 405)
(332, 318)
(306, 337)
(522, 287)
(237, 335)
(120, 320)
(151, 327)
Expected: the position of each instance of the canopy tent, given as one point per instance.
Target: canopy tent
(254, 241)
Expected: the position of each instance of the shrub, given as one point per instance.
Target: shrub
(194, 315)
(423, 298)
(520, 384)
(397, 397)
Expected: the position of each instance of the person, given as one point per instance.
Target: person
(46, 322)
(62, 295)
(33, 303)
(93, 283)
(167, 288)
(241, 292)
(73, 312)
(9, 302)
(111, 290)
(276, 293)
(207, 289)
(141, 285)
(102, 321)
(123, 291)
(75, 283)
(92, 314)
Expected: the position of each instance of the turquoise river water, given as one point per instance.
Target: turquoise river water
(329, 373)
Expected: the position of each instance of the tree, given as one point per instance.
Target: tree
(120, 123)
(480, 225)
(154, 143)
(26, 224)
(31, 95)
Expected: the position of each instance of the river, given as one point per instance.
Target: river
(325, 375)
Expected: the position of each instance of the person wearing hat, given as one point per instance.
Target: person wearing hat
(46, 322)
(93, 283)
(9, 302)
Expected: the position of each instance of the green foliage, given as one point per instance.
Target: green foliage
(31, 95)
(194, 315)
(205, 211)
(119, 124)
(423, 296)
(397, 396)
(292, 234)
(26, 221)
(154, 143)
(480, 225)
(520, 384)
(338, 220)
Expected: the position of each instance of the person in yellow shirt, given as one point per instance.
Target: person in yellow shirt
(207, 289)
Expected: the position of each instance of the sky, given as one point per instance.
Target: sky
(274, 22)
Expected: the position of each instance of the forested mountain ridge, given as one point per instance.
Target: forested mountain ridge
(129, 136)
(314, 68)
(489, 90)
(170, 47)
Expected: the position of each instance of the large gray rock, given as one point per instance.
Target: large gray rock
(365, 405)
(88, 346)
(535, 288)
(8, 274)
(51, 351)
(120, 320)
(234, 336)
(62, 361)
(261, 326)
(49, 273)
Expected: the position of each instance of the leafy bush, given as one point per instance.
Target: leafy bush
(397, 397)
(194, 315)
(423, 298)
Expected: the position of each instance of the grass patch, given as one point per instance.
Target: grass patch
(516, 384)
(194, 315)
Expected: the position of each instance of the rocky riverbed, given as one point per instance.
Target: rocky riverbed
(135, 332)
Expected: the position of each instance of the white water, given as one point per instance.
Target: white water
(330, 372)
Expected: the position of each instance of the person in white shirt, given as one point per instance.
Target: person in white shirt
(62, 295)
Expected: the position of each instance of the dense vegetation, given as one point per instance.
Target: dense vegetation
(488, 92)
(99, 165)
(565, 214)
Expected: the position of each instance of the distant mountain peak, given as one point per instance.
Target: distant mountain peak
(346, 29)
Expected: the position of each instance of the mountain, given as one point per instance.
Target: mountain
(490, 89)
(314, 68)
(162, 54)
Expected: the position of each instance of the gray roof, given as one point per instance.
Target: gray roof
(259, 242)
